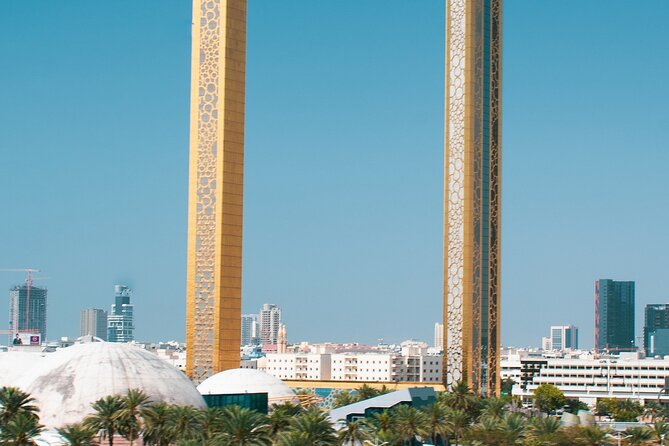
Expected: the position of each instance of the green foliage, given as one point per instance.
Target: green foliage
(638, 435)
(128, 416)
(20, 430)
(105, 417)
(409, 422)
(312, 426)
(354, 432)
(344, 398)
(14, 401)
(78, 435)
(574, 405)
(548, 398)
(620, 410)
(243, 427)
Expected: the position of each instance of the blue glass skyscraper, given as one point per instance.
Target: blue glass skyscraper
(614, 315)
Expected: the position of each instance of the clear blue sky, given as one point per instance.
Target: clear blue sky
(343, 206)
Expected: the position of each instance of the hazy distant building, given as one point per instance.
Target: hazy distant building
(120, 322)
(27, 310)
(546, 343)
(250, 330)
(614, 315)
(270, 320)
(656, 329)
(93, 323)
(439, 336)
(564, 337)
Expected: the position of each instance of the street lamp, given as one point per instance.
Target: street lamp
(619, 437)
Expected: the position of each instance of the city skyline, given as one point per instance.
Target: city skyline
(532, 219)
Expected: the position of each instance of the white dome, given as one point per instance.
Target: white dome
(247, 381)
(14, 365)
(67, 382)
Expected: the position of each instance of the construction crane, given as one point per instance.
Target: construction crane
(29, 284)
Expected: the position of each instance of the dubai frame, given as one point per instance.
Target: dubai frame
(472, 190)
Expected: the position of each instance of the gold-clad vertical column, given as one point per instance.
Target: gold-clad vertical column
(213, 328)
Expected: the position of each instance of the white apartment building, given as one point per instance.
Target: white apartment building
(439, 336)
(299, 366)
(269, 321)
(379, 367)
(588, 379)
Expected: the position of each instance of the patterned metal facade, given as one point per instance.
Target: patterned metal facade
(472, 193)
(213, 327)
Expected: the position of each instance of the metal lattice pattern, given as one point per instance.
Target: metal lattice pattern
(206, 175)
(455, 190)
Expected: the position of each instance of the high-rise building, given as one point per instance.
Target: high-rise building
(270, 321)
(250, 335)
(93, 323)
(439, 336)
(564, 337)
(614, 315)
(27, 310)
(120, 321)
(216, 180)
(472, 194)
(655, 329)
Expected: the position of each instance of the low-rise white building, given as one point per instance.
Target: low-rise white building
(301, 366)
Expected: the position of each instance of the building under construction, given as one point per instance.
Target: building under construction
(27, 309)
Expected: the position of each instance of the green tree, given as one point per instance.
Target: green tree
(279, 419)
(545, 431)
(78, 435)
(638, 435)
(365, 392)
(157, 424)
(461, 397)
(574, 405)
(242, 427)
(587, 436)
(493, 408)
(458, 423)
(485, 432)
(186, 423)
(129, 417)
(105, 417)
(409, 422)
(512, 429)
(344, 398)
(548, 398)
(626, 410)
(20, 430)
(354, 432)
(660, 431)
(605, 407)
(210, 422)
(314, 426)
(14, 401)
(437, 417)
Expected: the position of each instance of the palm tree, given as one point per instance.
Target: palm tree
(344, 398)
(242, 427)
(211, 420)
(545, 430)
(290, 438)
(493, 408)
(20, 430)
(129, 416)
(157, 424)
(457, 424)
(185, 423)
(638, 435)
(365, 392)
(14, 401)
(314, 426)
(437, 421)
(354, 432)
(486, 431)
(279, 419)
(105, 418)
(660, 431)
(78, 434)
(381, 421)
(512, 429)
(461, 397)
(590, 436)
(409, 422)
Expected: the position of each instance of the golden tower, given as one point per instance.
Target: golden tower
(216, 181)
(472, 194)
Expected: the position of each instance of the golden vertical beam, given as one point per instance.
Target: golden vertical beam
(472, 193)
(216, 181)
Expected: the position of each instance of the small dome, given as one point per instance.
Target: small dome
(67, 382)
(247, 381)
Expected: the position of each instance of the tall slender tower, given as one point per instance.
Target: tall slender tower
(216, 186)
(472, 193)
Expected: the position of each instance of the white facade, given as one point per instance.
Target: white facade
(439, 336)
(380, 367)
(564, 337)
(270, 320)
(300, 366)
(250, 330)
(625, 377)
(93, 322)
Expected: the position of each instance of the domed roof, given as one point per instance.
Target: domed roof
(13, 365)
(247, 381)
(67, 382)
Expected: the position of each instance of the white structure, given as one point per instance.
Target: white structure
(238, 381)
(588, 378)
(439, 336)
(65, 383)
(270, 320)
(93, 322)
(250, 330)
(303, 366)
(380, 367)
(546, 344)
(564, 337)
